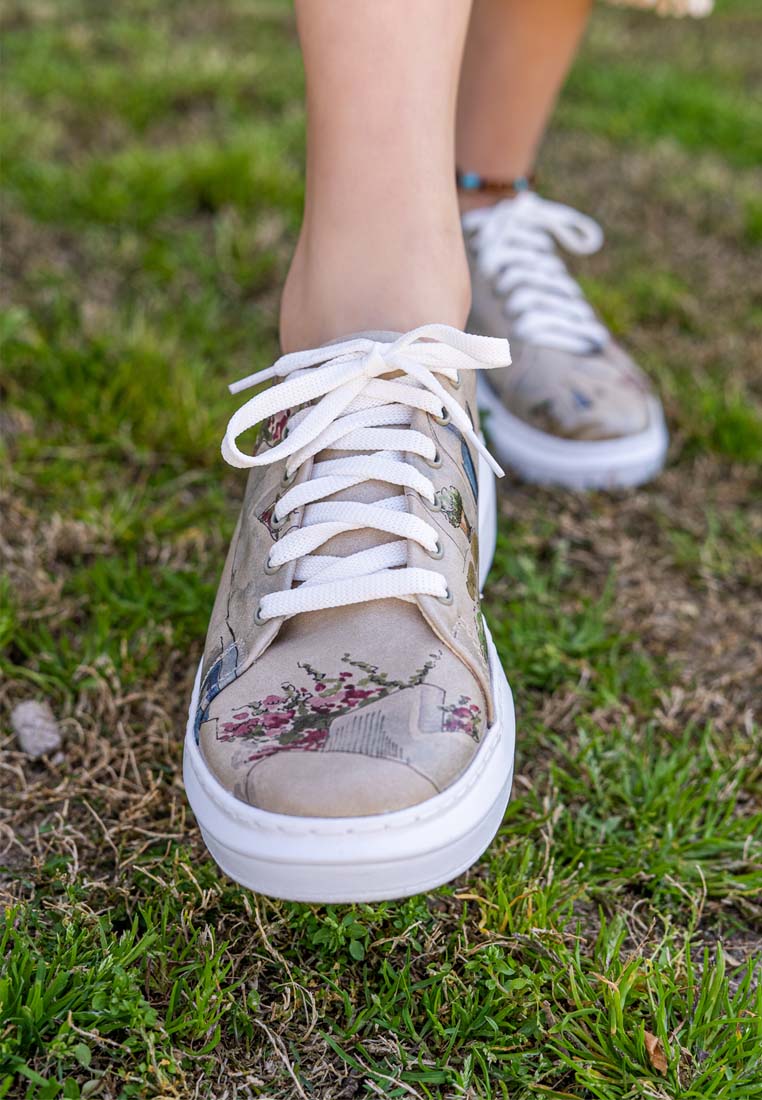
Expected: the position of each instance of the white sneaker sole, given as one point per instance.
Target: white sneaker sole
(379, 856)
(574, 464)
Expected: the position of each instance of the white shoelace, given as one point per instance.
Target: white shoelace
(515, 246)
(359, 396)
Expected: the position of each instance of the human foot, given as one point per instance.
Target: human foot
(572, 408)
(351, 732)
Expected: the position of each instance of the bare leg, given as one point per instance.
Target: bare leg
(517, 55)
(380, 246)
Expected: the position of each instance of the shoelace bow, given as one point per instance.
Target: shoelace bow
(347, 401)
(515, 245)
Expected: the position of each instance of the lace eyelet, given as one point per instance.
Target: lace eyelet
(287, 477)
(436, 461)
(258, 616)
(438, 552)
(278, 524)
(446, 599)
(457, 382)
(444, 419)
(269, 568)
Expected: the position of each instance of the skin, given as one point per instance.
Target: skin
(517, 55)
(380, 245)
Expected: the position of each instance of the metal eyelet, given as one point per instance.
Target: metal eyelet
(258, 616)
(446, 599)
(444, 419)
(436, 461)
(269, 568)
(438, 552)
(277, 524)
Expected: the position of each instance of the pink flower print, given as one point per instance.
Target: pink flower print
(301, 717)
(313, 739)
(330, 700)
(463, 717)
(358, 693)
(274, 721)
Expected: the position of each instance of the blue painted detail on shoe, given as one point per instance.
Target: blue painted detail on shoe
(468, 462)
(221, 673)
(581, 400)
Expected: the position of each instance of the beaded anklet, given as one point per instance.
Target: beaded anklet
(472, 181)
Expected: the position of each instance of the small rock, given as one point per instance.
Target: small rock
(36, 728)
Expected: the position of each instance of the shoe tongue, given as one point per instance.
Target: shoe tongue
(367, 491)
(381, 336)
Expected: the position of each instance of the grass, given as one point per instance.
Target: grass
(607, 946)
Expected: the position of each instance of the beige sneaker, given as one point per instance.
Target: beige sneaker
(572, 409)
(351, 731)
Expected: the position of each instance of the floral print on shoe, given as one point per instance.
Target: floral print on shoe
(301, 718)
(342, 711)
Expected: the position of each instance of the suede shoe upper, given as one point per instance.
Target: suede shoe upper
(345, 671)
(567, 376)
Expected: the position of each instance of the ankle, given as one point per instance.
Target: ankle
(351, 282)
(476, 200)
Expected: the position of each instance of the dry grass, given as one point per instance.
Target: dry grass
(619, 912)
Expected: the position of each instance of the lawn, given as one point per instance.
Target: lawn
(608, 946)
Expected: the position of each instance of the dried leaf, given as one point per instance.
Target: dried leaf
(656, 1055)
